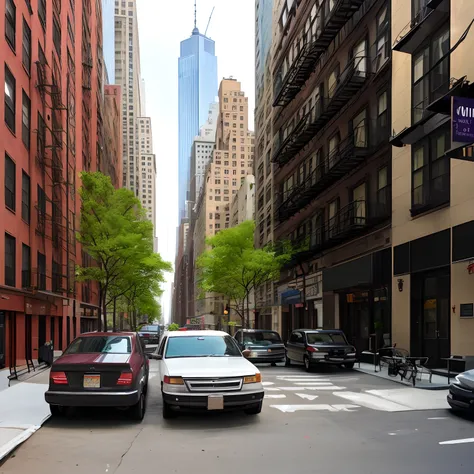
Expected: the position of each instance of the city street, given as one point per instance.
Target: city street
(328, 421)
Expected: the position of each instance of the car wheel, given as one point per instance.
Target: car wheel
(137, 411)
(56, 410)
(307, 364)
(254, 410)
(287, 361)
(349, 365)
(168, 413)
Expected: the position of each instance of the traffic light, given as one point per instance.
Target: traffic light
(226, 309)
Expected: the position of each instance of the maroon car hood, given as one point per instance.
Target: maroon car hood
(94, 359)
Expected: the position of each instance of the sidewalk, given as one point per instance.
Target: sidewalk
(437, 382)
(22, 409)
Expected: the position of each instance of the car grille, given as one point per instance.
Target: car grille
(337, 353)
(214, 385)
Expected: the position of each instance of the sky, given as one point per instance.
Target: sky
(162, 26)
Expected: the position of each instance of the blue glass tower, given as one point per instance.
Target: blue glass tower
(108, 23)
(197, 88)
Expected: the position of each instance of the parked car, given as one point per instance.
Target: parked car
(205, 370)
(461, 392)
(265, 346)
(312, 347)
(100, 370)
(150, 334)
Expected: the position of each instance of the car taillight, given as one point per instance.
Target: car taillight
(125, 378)
(173, 380)
(312, 349)
(59, 378)
(146, 335)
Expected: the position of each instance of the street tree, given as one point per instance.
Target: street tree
(232, 266)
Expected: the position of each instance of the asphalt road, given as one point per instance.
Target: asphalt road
(316, 423)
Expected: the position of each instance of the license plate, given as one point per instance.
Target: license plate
(269, 350)
(91, 381)
(215, 402)
(337, 359)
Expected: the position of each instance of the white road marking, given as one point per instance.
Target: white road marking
(372, 402)
(267, 383)
(305, 380)
(314, 407)
(304, 377)
(314, 383)
(307, 397)
(275, 395)
(438, 418)
(328, 387)
(414, 398)
(271, 389)
(458, 441)
(294, 389)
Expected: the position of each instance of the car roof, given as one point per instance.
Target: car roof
(257, 330)
(97, 333)
(195, 333)
(324, 331)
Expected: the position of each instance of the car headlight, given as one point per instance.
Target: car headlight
(257, 378)
(173, 380)
(351, 354)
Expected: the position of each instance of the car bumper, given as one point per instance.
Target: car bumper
(267, 358)
(199, 401)
(333, 360)
(460, 398)
(92, 399)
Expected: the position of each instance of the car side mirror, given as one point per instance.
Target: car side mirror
(155, 356)
(246, 353)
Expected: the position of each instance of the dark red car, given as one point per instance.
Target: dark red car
(100, 370)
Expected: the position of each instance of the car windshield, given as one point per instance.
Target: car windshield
(149, 329)
(326, 338)
(100, 344)
(201, 346)
(260, 338)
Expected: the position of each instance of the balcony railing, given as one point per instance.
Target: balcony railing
(349, 82)
(347, 156)
(423, 24)
(323, 29)
(350, 222)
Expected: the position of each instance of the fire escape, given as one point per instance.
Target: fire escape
(87, 65)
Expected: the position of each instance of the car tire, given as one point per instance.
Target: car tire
(56, 411)
(349, 365)
(168, 413)
(307, 363)
(137, 411)
(287, 361)
(254, 410)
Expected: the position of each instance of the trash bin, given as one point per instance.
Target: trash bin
(46, 353)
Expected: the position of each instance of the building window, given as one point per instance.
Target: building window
(42, 13)
(360, 124)
(360, 203)
(382, 187)
(430, 73)
(382, 116)
(10, 260)
(10, 99)
(25, 266)
(26, 47)
(25, 120)
(10, 184)
(41, 271)
(430, 171)
(25, 197)
(10, 23)
(332, 82)
(382, 44)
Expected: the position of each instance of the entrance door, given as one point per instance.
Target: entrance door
(60, 335)
(2, 339)
(41, 330)
(436, 318)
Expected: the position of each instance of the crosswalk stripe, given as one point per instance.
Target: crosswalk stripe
(276, 395)
(371, 401)
(330, 387)
(271, 389)
(314, 383)
(314, 407)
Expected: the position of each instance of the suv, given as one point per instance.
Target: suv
(318, 346)
(150, 334)
(265, 346)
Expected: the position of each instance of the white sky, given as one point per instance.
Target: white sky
(163, 25)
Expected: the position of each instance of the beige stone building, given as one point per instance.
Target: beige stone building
(232, 161)
(432, 189)
(243, 204)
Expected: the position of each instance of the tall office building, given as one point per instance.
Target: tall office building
(127, 75)
(197, 87)
(147, 169)
(108, 30)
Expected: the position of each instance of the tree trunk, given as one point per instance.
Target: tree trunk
(114, 317)
(248, 311)
(104, 310)
(99, 321)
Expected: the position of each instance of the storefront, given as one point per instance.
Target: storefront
(357, 299)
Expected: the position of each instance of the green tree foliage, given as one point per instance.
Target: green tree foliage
(116, 235)
(173, 327)
(233, 267)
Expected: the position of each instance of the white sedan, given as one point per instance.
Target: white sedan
(205, 370)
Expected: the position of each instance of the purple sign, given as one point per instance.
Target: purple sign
(463, 120)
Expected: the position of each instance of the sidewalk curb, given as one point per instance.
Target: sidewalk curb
(396, 380)
(9, 447)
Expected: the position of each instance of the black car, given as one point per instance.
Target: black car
(265, 346)
(150, 334)
(317, 346)
(461, 392)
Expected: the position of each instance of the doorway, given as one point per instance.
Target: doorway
(41, 330)
(431, 316)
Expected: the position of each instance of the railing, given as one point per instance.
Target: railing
(323, 29)
(349, 82)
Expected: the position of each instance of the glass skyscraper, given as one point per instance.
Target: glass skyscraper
(197, 88)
